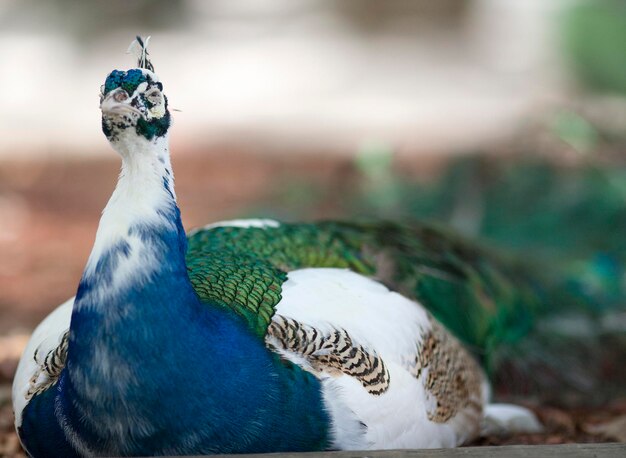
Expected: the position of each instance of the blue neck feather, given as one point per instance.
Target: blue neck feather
(152, 370)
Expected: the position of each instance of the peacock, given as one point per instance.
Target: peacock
(252, 336)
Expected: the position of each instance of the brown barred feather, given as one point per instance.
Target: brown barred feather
(51, 366)
(453, 377)
(334, 353)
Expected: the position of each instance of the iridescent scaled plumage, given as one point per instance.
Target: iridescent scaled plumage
(127, 80)
(477, 296)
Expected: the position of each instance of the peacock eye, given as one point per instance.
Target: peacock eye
(154, 96)
(120, 96)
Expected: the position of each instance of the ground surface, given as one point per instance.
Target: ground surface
(49, 213)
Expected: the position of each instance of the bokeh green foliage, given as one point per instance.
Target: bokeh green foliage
(594, 33)
(572, 219)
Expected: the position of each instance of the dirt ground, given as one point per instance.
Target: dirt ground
(49, 213)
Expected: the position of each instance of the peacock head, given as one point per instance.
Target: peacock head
(133, 104)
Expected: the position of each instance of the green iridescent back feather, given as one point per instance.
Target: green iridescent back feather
(244, 269)
(473, 293)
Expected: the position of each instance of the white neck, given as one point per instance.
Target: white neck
(139, 195)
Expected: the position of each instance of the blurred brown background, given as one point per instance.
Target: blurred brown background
(295, 109)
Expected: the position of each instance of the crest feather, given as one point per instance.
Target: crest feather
(139, 47)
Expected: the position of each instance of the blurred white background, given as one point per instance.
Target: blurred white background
(320, 74)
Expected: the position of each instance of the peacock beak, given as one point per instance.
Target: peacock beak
(115, 103)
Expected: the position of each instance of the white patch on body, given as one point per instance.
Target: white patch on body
(244, 223)
(346, 430)
(504, 419)
(390, 325)
(45, 338)
(139, 193)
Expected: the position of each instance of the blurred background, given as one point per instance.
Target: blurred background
(503, 118)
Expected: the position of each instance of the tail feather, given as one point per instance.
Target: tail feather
(568, 225)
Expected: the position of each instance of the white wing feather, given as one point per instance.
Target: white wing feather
(45, 338)
(390, 325)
